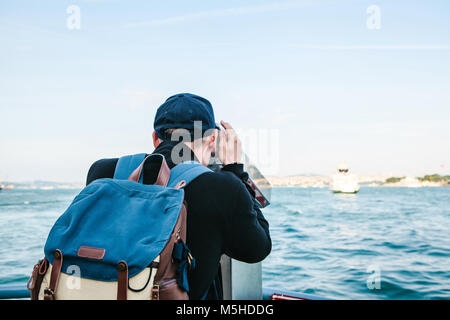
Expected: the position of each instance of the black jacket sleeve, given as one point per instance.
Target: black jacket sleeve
(103, 168)
(248, 237)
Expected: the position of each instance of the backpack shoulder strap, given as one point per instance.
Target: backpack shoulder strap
(186, 171)
(127, 164)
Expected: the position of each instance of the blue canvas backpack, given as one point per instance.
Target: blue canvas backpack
(120, 238)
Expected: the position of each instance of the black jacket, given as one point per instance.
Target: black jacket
(222, 217)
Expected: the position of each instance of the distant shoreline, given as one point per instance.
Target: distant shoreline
(364, 181)
(41, 185)
(273, 186)
(362, 186)
(305, 181)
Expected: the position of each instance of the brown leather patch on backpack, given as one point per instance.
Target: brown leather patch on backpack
(91, 253)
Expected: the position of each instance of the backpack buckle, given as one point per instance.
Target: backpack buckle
(155, 291)
(49, 294)
(189, 259)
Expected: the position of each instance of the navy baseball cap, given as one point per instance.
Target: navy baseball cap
(180, 111)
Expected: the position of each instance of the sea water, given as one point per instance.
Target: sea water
(382, 243)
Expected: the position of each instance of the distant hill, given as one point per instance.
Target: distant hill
(42, 184)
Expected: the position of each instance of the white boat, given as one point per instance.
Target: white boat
(343, 181)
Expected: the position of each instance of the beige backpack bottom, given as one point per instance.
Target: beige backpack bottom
(72, 287)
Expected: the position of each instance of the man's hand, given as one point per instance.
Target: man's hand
(230, 147)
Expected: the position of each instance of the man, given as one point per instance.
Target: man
(222, 214)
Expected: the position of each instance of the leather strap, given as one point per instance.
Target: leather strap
(163, 175)
(35, 282)
(122, 281)
(32, 281)
(49, 293)
(43, 267)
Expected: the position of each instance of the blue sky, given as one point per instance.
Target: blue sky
(310, 70)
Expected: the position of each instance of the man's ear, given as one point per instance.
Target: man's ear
(210, 135)
(212, 142)
(156, 140)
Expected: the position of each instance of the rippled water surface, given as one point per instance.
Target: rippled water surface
(338, 245)
(393, 240)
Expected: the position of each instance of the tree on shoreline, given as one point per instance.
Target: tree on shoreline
(429, 178)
